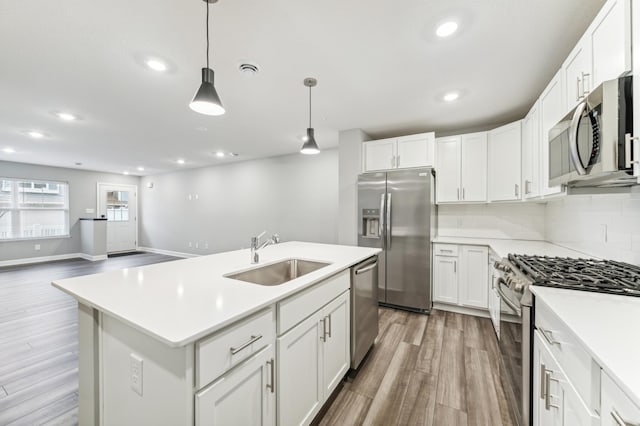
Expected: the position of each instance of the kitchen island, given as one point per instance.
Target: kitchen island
(182, 343)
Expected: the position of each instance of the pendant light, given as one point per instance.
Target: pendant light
(310, 146)
(206, 100)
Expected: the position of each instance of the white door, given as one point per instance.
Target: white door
(244, 396)
(448, 169)
(336, 346)
(611, 41)
(531, 153)
(119, 204)
(299, 372)
(415, 150)
(577, 73)
(380, 155)
(552, 109)
(505, 162)
(474, 288)
(445, 279)
(473, 167)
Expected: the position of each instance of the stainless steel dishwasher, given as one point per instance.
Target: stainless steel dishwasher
(364, 309)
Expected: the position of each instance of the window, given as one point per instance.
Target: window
(33, 209)
(118, 206)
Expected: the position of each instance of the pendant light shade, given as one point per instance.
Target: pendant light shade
(310, 145)
(206, 100)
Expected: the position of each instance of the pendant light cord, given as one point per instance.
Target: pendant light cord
(207, 33)
(309, 106)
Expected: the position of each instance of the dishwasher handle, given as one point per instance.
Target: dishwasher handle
(367, 268)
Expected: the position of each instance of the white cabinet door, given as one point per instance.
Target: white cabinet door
(336, 345)
(552, 106)
(243, 396)
(448, 169)
(547, 402)
(474, 272)
(610, 37)
(617, 408)
(473, 167)
(531, 153)
(380, 155)
(505, 162)
(415, 151)
(577, 73)
(300, 394)
(445, 279)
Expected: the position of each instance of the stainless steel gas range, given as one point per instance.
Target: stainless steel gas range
(514, 276)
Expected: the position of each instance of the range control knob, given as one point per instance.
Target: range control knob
(518, 286)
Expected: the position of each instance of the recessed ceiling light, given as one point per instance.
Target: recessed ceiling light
(125, 172)
(156, 65)
(9, 150)
(35, 134)
(140, 169)
(180, 161)
(447, 29)
(450, 97)
(66, 116)
(220, 154)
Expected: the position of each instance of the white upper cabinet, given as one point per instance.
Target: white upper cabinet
(531, 153)
(505, 162)
(379, 155)
(448, 169)
(461, 168)
(603, 53)
(399, 153)
(552, 105)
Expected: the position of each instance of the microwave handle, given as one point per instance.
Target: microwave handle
(573, 139)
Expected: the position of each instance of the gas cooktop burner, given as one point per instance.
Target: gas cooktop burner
(603, 276)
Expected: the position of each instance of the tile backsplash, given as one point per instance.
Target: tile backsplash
(517, 221)
(606, 226)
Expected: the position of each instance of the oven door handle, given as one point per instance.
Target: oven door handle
(573, 139)
(506, 300)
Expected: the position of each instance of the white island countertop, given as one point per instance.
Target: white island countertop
(182, 301)
(606, 326)
(502, 247)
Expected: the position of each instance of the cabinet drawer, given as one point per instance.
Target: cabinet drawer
(617, 408)
(223, 350)
(445, 250)
(580, 368)
(296, 308)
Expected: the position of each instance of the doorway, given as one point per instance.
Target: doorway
(119, 204)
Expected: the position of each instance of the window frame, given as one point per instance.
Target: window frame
(15, 210)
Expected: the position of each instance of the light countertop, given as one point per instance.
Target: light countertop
(181, 301)
(503, 247)
(606, 327)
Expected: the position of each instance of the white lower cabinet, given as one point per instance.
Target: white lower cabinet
(461, 277)
(617, 408)
(312, 359)
(243, 396)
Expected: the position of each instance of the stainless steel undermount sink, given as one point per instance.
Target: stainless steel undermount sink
(278, 273)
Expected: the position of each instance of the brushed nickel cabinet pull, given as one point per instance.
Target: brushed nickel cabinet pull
(244, 345)
(272, 385)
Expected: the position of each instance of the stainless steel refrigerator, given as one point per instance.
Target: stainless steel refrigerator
(397, 213)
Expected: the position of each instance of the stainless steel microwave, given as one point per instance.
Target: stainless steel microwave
(592, 144)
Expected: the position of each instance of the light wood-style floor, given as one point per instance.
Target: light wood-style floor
(440, 369)
(39, 339)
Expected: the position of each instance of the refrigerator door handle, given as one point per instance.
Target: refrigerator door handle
(381, 222)
(388, 246)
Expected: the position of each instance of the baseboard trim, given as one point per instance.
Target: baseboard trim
(92, 258)
(476, 312)
(27, 260)
(167, 252)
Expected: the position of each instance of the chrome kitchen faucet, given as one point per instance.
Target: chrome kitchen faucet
(255, 245)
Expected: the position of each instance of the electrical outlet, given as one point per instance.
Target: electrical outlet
(206, 245)
(189, 197)
(37, 247)
(196, 196)
(190, 244)
(136, 374)
(197, 244)
(89, 211)
(603, 233)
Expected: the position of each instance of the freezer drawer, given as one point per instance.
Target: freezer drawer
(364, 309)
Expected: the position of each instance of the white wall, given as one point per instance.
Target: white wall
(606, 226)
(295, 196)
(518, 221)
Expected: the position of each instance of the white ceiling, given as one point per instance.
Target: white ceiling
(379, 65)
